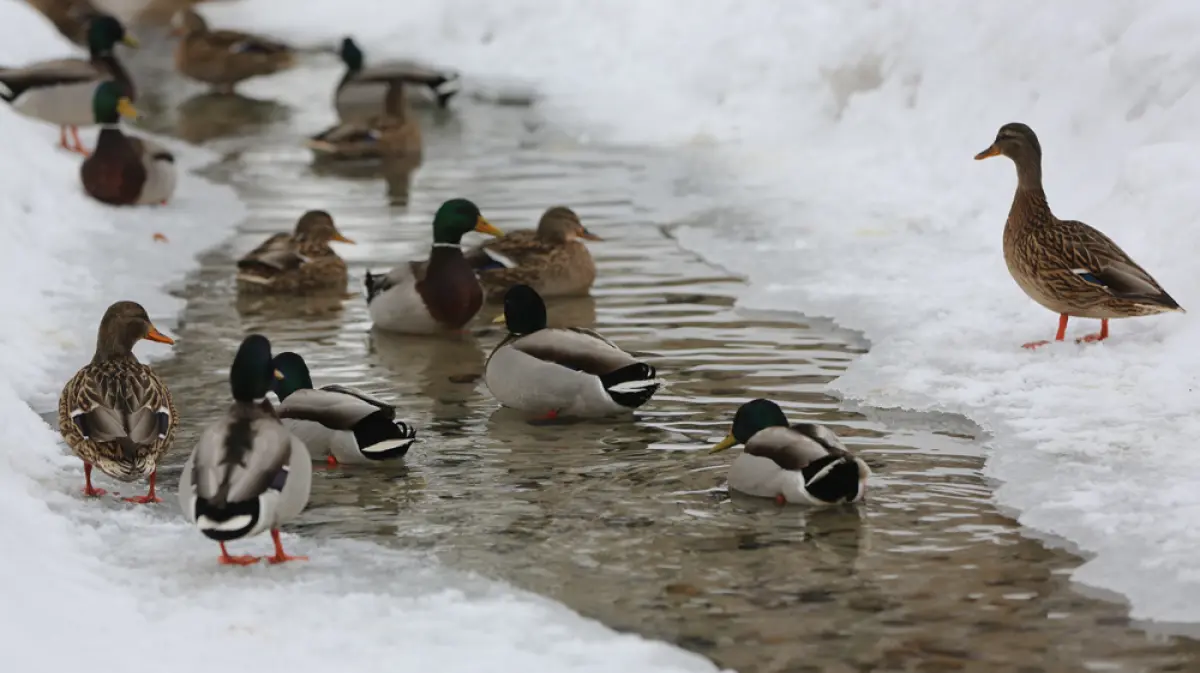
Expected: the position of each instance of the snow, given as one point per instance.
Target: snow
(98, 585)
(838, 137)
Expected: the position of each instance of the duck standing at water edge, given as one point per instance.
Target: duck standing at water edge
(115, 413)
(427, 297)
(803, 463)
(1065, 265)
(247, 473)
(296, 263)
(552, 260)
(125, 170)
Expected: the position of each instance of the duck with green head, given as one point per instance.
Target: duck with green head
(438, 294)
(62, 91)
(247, 474)
(125, 170)
(803, 463)
(338, 423)
(363, 91)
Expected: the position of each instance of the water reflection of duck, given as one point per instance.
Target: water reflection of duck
(209, 116)
(443, 371)
(396, 173)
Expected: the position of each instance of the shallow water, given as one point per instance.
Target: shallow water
(628, 522)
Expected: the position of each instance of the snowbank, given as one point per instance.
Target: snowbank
(844, 132)
(98, 585)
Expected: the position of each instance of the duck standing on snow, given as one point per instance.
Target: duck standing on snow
(427, 297)
(247, 473)
(61, 91)
(222, 58)
(296, 263)
(347, 425)
(800, 464)
(115, 413)
(371, 87)
(552, 260)
(1065, 265)
(125, 170)
(562, 371)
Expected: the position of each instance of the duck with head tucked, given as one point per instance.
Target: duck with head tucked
(222, 58)
(365, 87)
(247, 473)
(1065, 265)
(62, 91)
(803, 463)
(552, 260)
(115, 413)
(437, 295)
(125, 170)
(296, 263)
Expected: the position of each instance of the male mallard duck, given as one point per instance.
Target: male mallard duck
(62, 91)
(223, 58)
(1065, 265)
(551, 260)
(247, 473)
(556, 371)
(372, 87)
(425, 297)
(296, 263)
(115, 413)
(347, 425)
(802, 464)
(125, 170)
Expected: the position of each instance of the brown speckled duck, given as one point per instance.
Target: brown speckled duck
(552, 260)
(125, 170)
(426, 297)
(296, 263)
(115, 413)
(1065, 265)
(222, 58)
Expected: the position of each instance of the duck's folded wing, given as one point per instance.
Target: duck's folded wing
(279, 252)
(578, 349)
(128, 410)
(365, 397)
(14, 81)
(331, 408)
(237, 463)
(788, 448)
(240, 43)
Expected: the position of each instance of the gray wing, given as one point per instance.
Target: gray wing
(578, 349)
(796, 447)
(333, 409)
(365, 397)
(48, 73)
(238, 457)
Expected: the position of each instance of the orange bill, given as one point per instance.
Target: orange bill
(589, 235)
(337, 236)
(155, 335)
(992, 151)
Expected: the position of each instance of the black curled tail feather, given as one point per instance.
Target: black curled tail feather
(839, 483)
(631, 386)
(374, 284)
(229, 522)
(380, 437)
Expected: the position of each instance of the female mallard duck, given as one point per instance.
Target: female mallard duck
(115, 413)
(363, 88)
(551, 260)
(70, 17)
(62, 91)
(426, 297)
(247, 473)
(125, 170)
(223, 58)
(379, 136)
(562, 371)
(1065, 265)
(347, 425)
(800, 464)
(296, 263)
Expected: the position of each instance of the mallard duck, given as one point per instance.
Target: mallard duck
(70, 17)
(1065, 265)
(562, 371)
(62, 91)
(426, 297)
(373, 87)
(347, 425)
(551, 260)
(115, 413)
(803, 463)
(379, 136)
(247, 473)
(125, 170)
(296, 263)
(223, 58)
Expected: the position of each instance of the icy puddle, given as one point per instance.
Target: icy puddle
(628, 522)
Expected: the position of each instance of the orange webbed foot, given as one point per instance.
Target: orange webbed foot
(89, 492)
(1035, 344)
(143, 499)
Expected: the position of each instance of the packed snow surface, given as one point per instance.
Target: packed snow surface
(839, 136)
(100, 585)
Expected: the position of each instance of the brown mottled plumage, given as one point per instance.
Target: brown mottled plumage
(393, 133)
(115, 413)
(552, 260)
(1065, 265)
(296, 263)
(223, 58)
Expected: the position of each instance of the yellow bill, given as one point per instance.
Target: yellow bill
(278, 375)
(126, 108)
(130, 41)
(724, 444)
(499, 320)
(485, 227)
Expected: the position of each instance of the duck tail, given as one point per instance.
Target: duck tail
(380, 437)
(223, 521)
(832, 479)
(374, 285)
(631, 386)
(445, 89)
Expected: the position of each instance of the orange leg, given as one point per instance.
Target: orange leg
(87, 478)
(548, 416)
(1099, 336)
(226, 560)
(1062, 333)
(62, 138)
(780, 500)
(331, 461)
(149, 497)
(78, 143)
(280, 556)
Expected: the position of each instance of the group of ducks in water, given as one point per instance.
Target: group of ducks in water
(251, 468)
